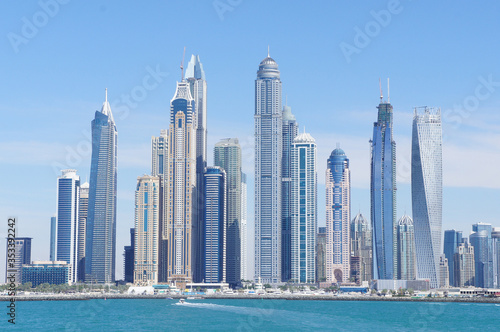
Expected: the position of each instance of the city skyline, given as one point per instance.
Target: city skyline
(470, 132)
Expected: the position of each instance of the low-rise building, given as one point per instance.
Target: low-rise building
(50, 272)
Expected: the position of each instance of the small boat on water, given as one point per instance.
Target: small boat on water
(182, 301)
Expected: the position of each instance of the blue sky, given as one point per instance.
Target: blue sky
(57, 61)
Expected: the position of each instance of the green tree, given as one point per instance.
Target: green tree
(266, 286)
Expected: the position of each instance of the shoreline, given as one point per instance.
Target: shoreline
(289, 297)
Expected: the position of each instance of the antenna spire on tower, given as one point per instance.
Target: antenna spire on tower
(106, 95)
(268, 50)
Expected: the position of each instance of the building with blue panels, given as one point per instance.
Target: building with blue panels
(483, 254)
(100, 242)
(51, 272)
(214, 244)
(452, 239)
(68, 203)
(383, 194)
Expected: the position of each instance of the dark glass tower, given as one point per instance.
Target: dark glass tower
(383, 195)
(214, 249)
(289, 131)
(100, 244)
(452, 239)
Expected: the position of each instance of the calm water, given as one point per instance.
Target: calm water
(252, 315)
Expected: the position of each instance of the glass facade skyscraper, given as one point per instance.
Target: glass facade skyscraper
(181, 185)
(68, 198)
(244, 229)
(268, 152)
(304, 209)
(495, 235)
(427, 191)
(406, 249)
(53, 238)
(100, 244)
(147, 202)
(464, 265)
(227, 155)
(383, 194)
(289, 131)
(452, 239)
(338, 217)
(195, 76)
(22, 256)
(483, 254)
(215, 250)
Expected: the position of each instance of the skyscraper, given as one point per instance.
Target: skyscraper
(495, 235)
(304, 209)
(100, 244)
(361, 246)
(128, 261)
(483, 254)
(452, 239)
(406, 249)
(53, 237)
(68, 198)
(160, 168)
(82, 223)
(338, 217)
(383, 194)
(22, 248)
(444, 272)
(147, 202)
(227, 155)
(321, 255)
(289, 131)
(195, 76)
(464, 265)
(244, 230)
(215, 250)
(268, 152)
(427, 191)
(182, 182)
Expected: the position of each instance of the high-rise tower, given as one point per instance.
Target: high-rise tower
(182, 182)
(303, 209)
(82, 223)
(361, 246)
(195, 76)
(483, 254)
(68, 198)
(452, 239)
(338, 217)
(160, 168)
(383, 194)
(268, 152)
(100, 244)
(289, 131)
(427, 192)
(227, 155)
(244, 229)
(406, 249)
(147, 201)
(215, 250)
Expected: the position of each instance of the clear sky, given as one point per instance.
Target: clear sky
(58, 59)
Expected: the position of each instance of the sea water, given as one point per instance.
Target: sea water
(252, 315)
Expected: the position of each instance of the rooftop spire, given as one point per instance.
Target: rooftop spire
(388, 92)
(106, 95)
(380, 87)
(268, 50)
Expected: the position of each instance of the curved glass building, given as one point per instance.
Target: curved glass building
(427, 191)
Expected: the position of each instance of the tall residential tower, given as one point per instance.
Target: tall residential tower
(268, 152)
(427, 192)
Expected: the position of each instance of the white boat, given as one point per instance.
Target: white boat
(182, 301)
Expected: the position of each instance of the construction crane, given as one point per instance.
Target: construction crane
(182, 64)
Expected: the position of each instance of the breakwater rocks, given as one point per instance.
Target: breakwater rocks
(326, 297)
